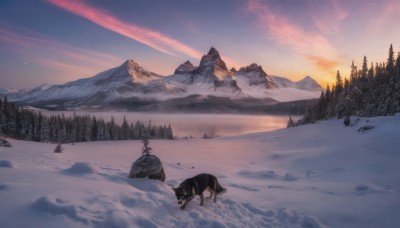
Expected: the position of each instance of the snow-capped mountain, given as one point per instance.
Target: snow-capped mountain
(307, 83)
(211, 77)
(7, 91)
(185, 68)
(254, 75)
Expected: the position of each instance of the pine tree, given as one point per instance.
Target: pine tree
(390, 61)
(364, 72)
(339, 83)
(125, 129)
(146, 149)
(371, 72)
(44, 131)
(290, 122)
(58, 148)
(353, 72)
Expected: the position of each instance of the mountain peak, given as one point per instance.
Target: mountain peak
(308, 83)
(185, 68)
(129, 63)
(255, 75)
(132, 71)
(212, 65)
(213, 52)
(188, 63)
(254, 67)
(306, 79)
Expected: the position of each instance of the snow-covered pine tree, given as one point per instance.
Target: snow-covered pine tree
(44, 131)
(58, 148)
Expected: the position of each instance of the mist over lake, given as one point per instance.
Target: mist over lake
(196, 125)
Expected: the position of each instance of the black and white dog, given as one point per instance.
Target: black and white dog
(196, 185)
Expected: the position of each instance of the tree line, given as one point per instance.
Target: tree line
(369, 91)
(20, 123)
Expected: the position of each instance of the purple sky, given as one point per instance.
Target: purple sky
(55, 41)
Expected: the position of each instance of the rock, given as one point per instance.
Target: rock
(4, 143)
(365, 128)
(346, 121)
(147, 165)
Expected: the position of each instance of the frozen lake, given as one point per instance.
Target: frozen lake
(196, 125)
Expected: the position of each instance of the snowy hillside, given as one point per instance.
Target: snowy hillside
(320, 175)
(6, 91)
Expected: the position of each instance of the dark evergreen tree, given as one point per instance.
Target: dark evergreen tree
(44, 131)
(390, 61)
(290, 122)
(353, 72)
(339, 83)
(146, 149)
(58, 148)
(125, 129)
(364, 72)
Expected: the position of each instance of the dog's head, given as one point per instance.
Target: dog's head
(181, 194)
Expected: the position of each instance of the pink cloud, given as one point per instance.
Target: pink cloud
(329, 18)
(389, 12)
(66, 67)
(50, 53)
(151, 38)
(288, 34)
(37, 46)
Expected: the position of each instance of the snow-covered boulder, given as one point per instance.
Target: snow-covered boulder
(7, 164)
(4, 143)
(147, 165)
(81, 168)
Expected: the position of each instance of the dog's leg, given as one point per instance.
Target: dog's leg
(201, 199)
(211, 192)
(186, 202)
(215, 197)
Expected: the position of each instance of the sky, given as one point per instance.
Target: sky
(56, 41)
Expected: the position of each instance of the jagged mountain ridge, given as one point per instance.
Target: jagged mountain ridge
(211, 77)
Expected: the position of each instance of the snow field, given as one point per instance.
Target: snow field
(321, 175)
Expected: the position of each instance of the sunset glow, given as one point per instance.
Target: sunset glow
(60, 40)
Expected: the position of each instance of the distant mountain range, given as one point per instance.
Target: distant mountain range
(130, 84)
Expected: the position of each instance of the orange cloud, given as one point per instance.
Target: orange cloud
(151, 38)
(324, 64)
(284, 32)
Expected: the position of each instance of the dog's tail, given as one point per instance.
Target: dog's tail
(219, 189)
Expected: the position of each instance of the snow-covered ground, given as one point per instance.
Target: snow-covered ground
(320, 175)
